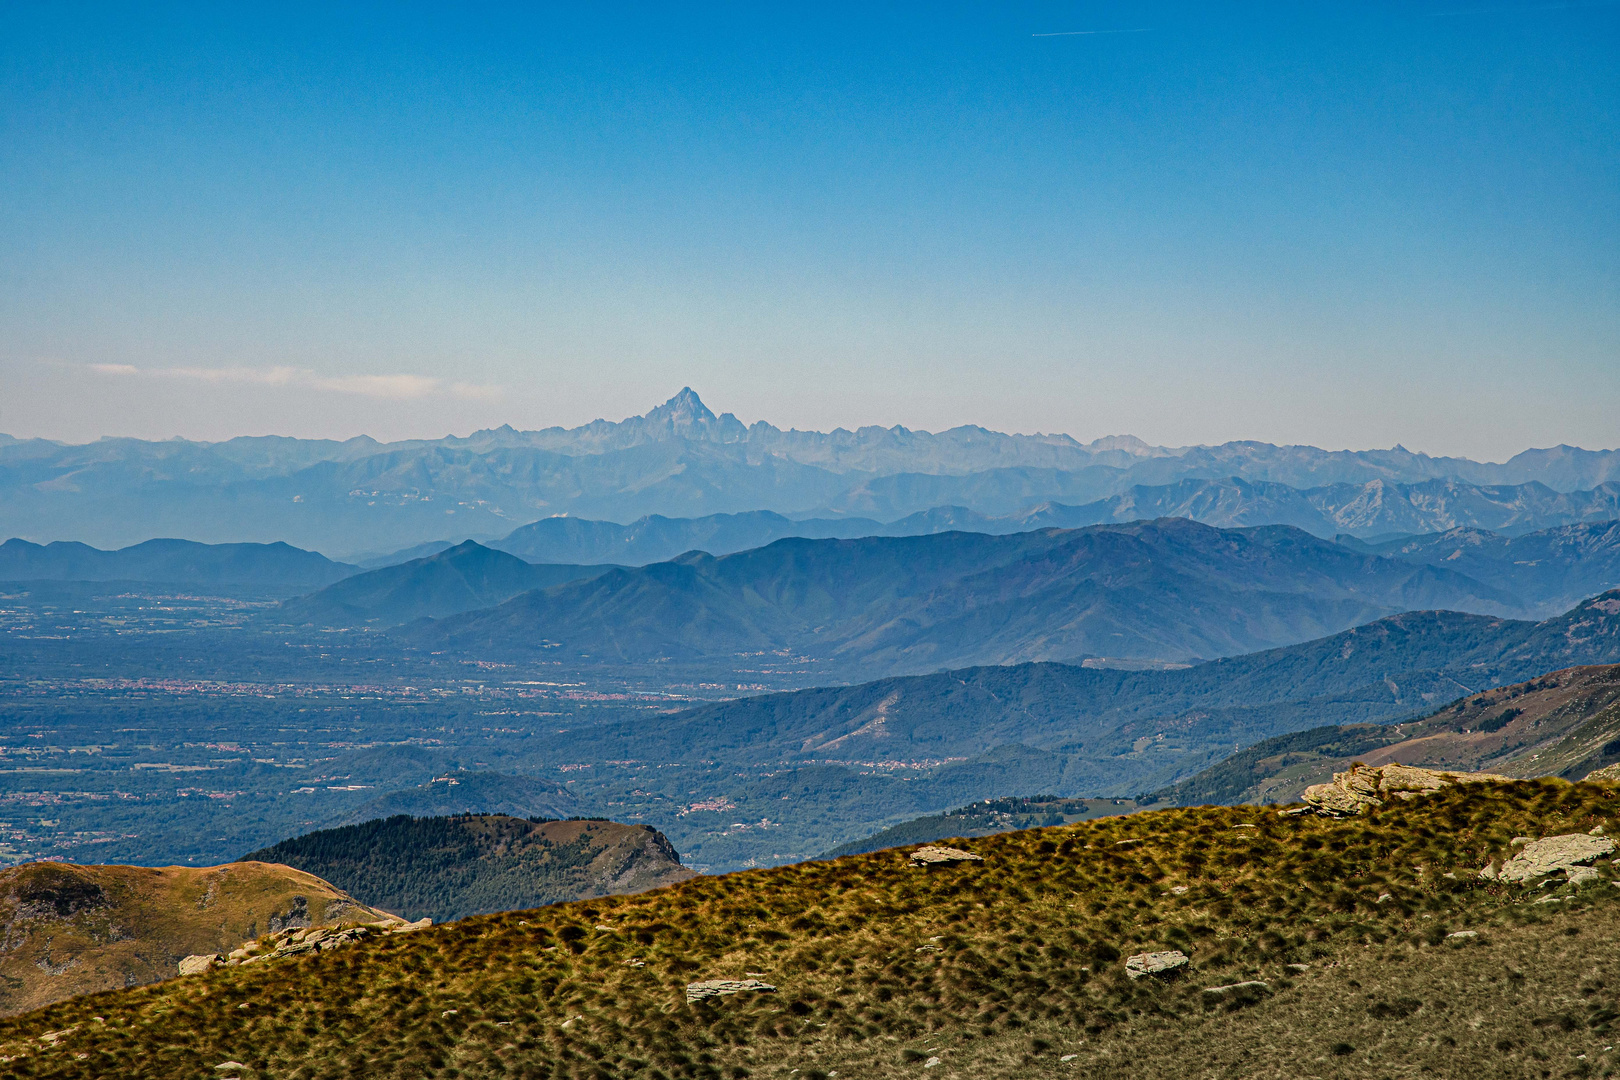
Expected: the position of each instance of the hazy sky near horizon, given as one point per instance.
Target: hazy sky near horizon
(1342, 224)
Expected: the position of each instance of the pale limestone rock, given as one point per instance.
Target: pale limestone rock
(1155, 963)
(1462, 935)
(1542, 857)
(1363, 788)
(933, 855)
(712, 988)
(1608, 772)
(1254, 986)
(1582, 875)
(198, 963)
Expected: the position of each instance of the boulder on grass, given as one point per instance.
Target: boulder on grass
(935, 855)
(1155, 963)
(713, 988)
(1554, 853)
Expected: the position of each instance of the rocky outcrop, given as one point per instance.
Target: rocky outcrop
(1554, 853)
(1608, 772)
(935, 855)
(713, 988)
(296, 941)
(1155, 963)
(1362, 788)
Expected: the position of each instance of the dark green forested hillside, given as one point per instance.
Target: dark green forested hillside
(450, 867)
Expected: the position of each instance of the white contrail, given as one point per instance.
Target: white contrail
(1078, 33)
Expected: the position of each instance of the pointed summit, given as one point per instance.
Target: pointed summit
(684, 410)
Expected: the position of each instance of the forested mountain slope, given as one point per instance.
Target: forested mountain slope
(474, 864)
(1164, 590)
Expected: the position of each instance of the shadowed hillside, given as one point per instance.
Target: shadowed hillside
(450, 867)
(1566, 724)
(1167, 590)
(1109, 731)
(463, 578)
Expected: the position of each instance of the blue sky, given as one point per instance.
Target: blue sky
(1350, 225)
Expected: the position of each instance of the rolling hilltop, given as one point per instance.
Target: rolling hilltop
(450, 867)
(1296, 945)
(1163, 590)
(74, 930)
(462, 578)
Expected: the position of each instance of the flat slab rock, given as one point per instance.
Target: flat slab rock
(1253, 986)
(1363, 788)
(933, 855)
(712, 988)
(1155, 963)
(1554, 853)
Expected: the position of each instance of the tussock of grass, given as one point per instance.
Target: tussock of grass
(1002, 966)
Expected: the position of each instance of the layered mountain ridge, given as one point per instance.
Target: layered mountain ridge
(680, 459)
(1168, 590)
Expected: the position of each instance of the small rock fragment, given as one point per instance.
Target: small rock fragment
(1298, 969)
(1463, 935)
(229, 1065)
(1155, 963)
(931, 1062)
(1582, 875)
(1253, 986)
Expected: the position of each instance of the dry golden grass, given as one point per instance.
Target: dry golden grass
(78, 929)
(999, 969)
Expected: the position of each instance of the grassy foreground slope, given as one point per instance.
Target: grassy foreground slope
(1003, 968)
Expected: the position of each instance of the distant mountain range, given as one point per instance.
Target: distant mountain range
(1167, 590)
(1377, 510)
(271, 567)
(680, 460)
